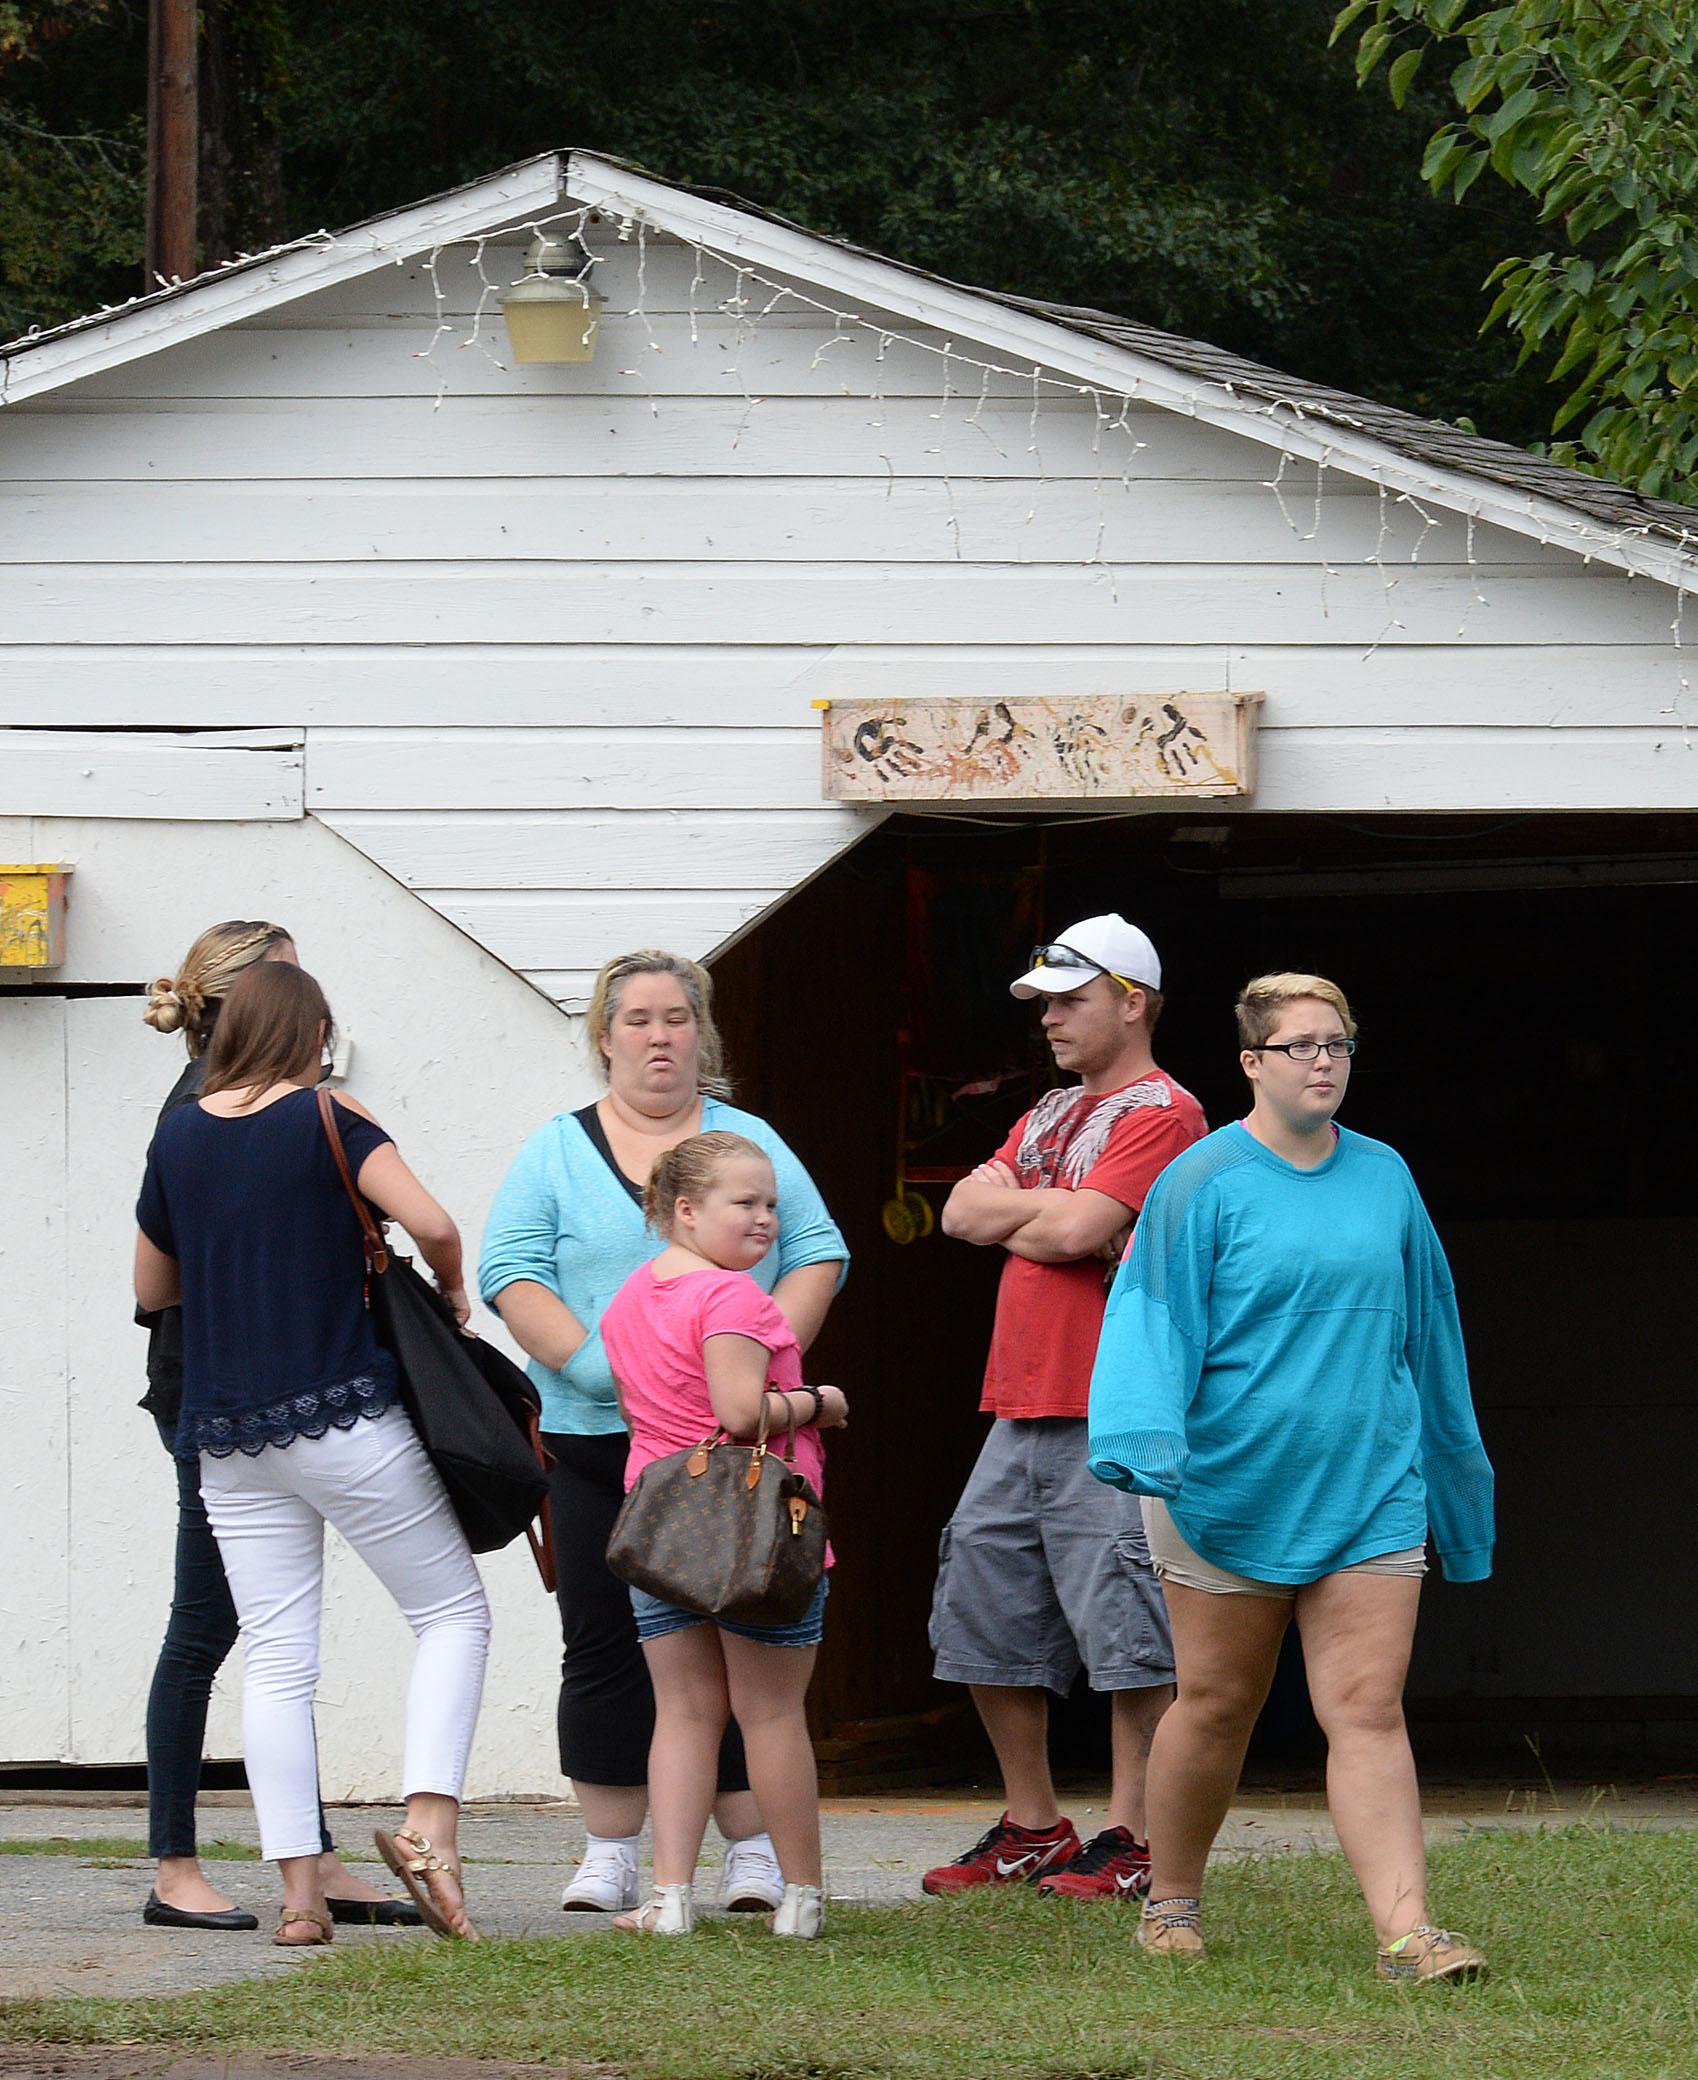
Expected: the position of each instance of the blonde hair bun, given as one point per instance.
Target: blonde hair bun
(183, 1003)
(166, 1012)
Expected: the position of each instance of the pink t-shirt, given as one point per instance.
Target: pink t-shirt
(654, 1329)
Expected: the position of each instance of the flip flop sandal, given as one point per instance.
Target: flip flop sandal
(310, 1915)
(412, 1859)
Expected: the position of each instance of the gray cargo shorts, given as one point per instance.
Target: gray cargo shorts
(1043, 1570)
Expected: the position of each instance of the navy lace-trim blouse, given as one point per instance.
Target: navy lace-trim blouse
(277, 1340)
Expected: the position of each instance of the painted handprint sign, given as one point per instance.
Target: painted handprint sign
(1040, 747)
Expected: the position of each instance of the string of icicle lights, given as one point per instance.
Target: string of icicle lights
(756, 295)
(1112, 408)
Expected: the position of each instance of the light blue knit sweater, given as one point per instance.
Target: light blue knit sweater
(563, 1219)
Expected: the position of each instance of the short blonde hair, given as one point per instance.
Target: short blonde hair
(1260, 1003)
(688, 1172)
(188, 1001)
(697, 984)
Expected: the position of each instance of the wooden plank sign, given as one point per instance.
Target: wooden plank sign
(1034, 747)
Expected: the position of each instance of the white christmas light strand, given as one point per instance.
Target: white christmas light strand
(1288, 414)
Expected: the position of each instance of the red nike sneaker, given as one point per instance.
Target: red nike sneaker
(1005, 1855)
(1111, 1865)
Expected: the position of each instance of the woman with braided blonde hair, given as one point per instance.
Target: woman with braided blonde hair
(188, 1001)
(202, 1627)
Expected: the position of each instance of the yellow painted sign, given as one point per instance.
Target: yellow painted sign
(1037, 747)
(32, 916)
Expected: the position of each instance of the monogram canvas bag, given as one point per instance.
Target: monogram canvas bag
(730, 1530)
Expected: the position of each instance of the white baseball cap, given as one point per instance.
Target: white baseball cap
(1097, 946)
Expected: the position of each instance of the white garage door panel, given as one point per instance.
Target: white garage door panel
(122, 1487)
(34, 1614)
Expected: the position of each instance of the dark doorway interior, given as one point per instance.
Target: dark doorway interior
(1525, 1007)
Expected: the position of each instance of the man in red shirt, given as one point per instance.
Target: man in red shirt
(1038, 1575)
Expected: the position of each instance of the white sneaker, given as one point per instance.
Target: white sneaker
(670, 1910)
(604, 1883)
(801, 1912)
(752, 1882)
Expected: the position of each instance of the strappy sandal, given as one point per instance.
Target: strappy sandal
(415, 1862)
(313, 1918)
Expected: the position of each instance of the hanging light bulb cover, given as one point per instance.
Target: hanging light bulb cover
(551, 311)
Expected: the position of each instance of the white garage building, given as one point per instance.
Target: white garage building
(313, 607)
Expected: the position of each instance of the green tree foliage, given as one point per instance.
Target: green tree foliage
(1590, 107)
(71, 168)
(1203, 165)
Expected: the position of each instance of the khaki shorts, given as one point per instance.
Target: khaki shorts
(1175, 1561)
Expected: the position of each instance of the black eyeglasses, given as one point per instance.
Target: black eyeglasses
(1056, 955)
(1308, 1050)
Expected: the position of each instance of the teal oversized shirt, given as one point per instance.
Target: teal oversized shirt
(1281, 1362)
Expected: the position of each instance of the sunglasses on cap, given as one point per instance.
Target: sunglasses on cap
(1057, 955)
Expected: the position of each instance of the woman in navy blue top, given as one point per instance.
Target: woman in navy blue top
(290, 1406)
(202, 1626)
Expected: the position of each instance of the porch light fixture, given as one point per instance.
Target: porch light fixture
(552, 311)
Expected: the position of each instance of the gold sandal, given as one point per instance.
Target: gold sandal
(314, 1918)
(410, 1856)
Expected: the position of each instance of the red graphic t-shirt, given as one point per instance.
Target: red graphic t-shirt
(1049, 1316)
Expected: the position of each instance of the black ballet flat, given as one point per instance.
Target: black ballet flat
(375, 1913)
(158, 1915)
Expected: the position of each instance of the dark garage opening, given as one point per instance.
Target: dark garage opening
(1522, 986)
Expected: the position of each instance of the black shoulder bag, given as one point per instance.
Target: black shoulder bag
(476, 1414)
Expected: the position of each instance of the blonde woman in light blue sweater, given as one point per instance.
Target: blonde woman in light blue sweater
(564, 1234)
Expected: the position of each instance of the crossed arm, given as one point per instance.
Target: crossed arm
(1046, 1225)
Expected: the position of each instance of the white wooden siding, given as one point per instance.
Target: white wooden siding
(1162, 605)
(215, 776)
(730, 519)
(552, 634)
(660, 686)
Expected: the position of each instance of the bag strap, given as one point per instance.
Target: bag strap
(786, 1451)
(538, 1534)
(377, 1250)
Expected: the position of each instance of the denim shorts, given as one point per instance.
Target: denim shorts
(655, 1618)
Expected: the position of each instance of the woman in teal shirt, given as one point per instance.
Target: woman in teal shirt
(1281, 1378)
(564, 1234)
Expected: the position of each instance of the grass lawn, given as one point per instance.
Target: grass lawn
(1594, 1937)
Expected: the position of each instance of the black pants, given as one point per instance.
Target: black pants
(198, 1637)
(606, 1702)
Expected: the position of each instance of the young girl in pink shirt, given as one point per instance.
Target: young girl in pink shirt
(695, 1344)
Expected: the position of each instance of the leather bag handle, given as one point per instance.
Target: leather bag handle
(377, 1249)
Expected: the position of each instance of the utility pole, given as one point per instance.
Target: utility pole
(173, 139)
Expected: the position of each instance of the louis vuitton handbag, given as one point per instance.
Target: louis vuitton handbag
(730, 1530)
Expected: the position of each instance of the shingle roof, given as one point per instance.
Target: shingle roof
(1422, 440)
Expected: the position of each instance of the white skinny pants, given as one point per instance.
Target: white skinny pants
(374, 1483)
